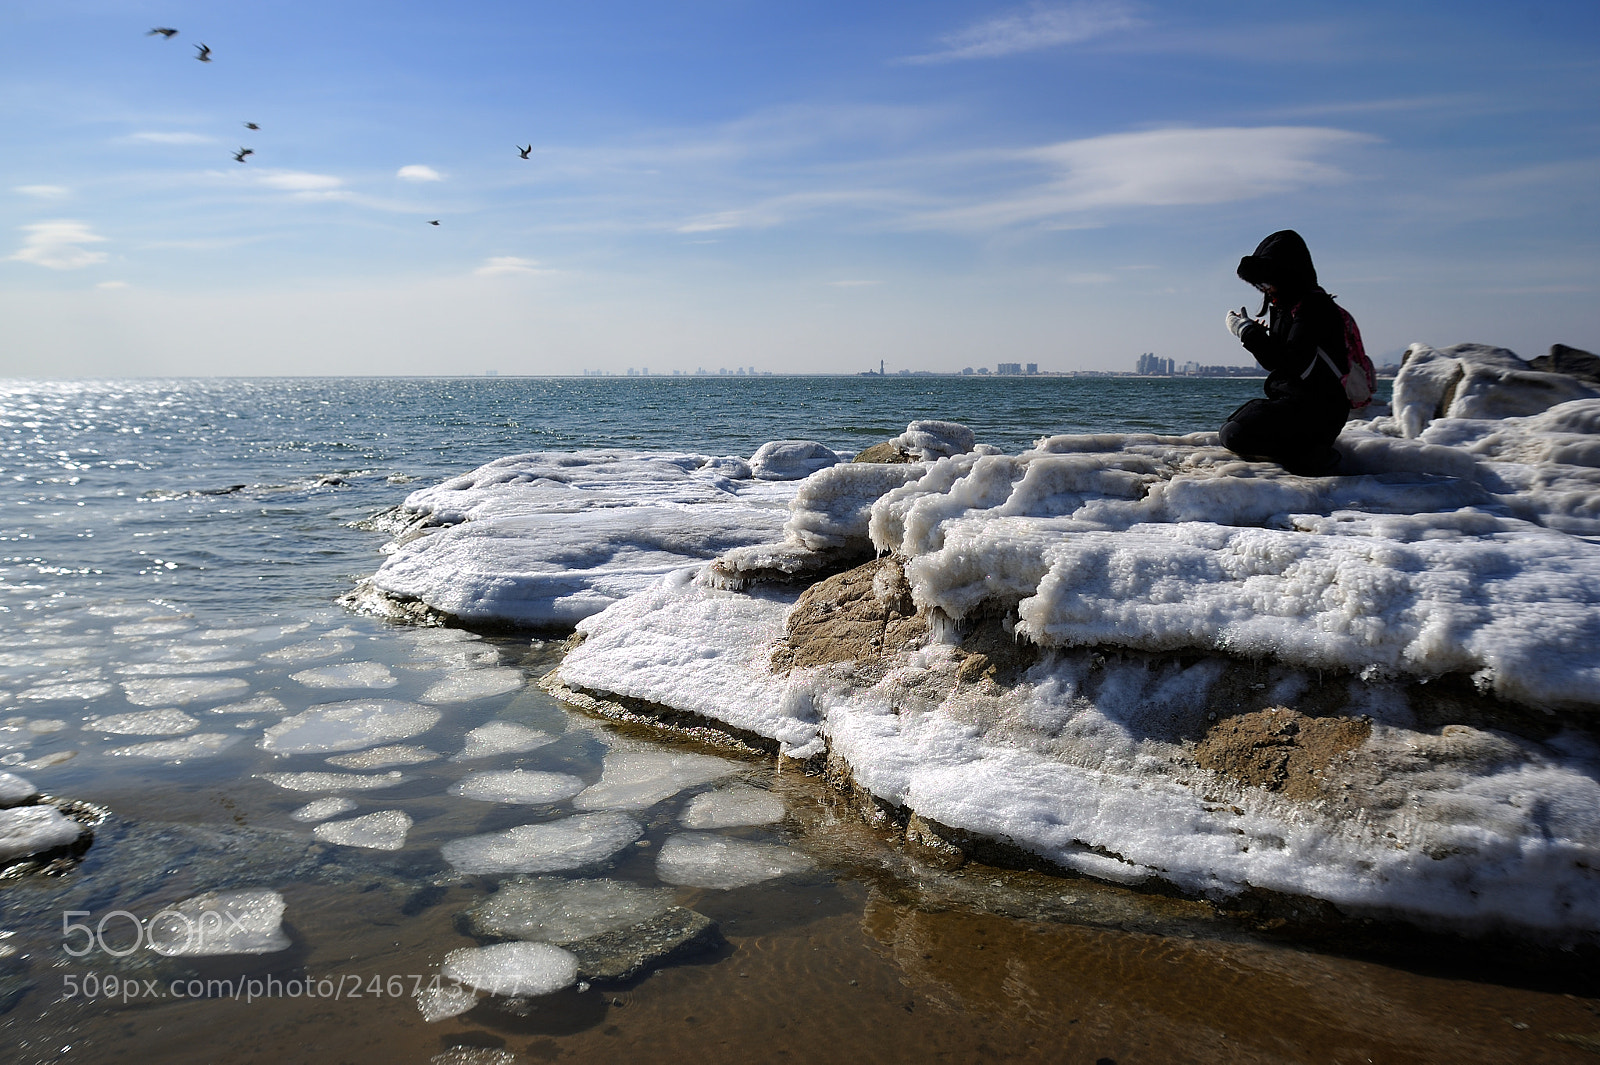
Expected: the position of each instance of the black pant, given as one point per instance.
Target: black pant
(1295, 434)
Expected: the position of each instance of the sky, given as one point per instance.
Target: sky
(801, 187)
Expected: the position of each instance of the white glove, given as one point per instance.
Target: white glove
(1237, 320)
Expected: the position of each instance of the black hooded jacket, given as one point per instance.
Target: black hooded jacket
(1301, 318)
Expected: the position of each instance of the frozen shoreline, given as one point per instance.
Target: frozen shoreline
(1136, 657)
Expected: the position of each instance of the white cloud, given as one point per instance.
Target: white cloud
(503, 265)
(418, 172)
(1040, 26)
(59, 245)
(42, 192)
(305, 185)
(1163, 168)
(168, 138)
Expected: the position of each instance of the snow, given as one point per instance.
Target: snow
(571, 843)
(518, 786)
(733, 807)
(15, 789)
(512, 968)
(701, 859)
(635, 780)
(348, 726)
(502, 737)
(220, 923)
(384, 830)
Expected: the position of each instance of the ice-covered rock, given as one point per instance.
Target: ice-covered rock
(702, 859)
(516, 968)
(578, 842)
(524, 786)
(926, 440)
(549, 538)
(791, 460)
(384, 830)
(348, 726)
(1476, 381)
(502, 737)
(30, 830)
(14, 790)
(249, 921)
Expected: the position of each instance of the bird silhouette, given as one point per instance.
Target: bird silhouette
(166, 31)
(251, 125)
(239, 155)
(434, 222)
(205, 52)
(524, 151)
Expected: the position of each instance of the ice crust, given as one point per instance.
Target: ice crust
(217, 923)
(383, 757)
(733, 807)
(194, 745)
(470, 684)
(384, 830)
(334, 781)
(571, 843)
(515, 968)
(636, 780)
(502, 737)
(348, 726)
(348, 675)
(322, 809)
(518, 786)
(144, 723)
(183, 691)
(703, 859)
(559, 911)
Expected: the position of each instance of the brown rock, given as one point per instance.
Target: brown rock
(1279, 749)
(860, 613)
(888, 451)
(1570, 361)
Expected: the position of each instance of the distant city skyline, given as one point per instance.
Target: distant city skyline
(535, 189)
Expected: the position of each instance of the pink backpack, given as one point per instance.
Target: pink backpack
(1361, 381)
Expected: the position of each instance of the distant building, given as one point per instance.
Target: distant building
(966, 371)
(1033, 368)
(1008, 368)
(1152, 365)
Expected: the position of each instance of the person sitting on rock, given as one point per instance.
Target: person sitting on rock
(1305, 406)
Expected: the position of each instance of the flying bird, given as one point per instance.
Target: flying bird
(166, 31)
(205, 52)
(434, 222)
(251, 125)
(239, 155)
(524, 151)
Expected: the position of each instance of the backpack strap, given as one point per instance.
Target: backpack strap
(1326, 360)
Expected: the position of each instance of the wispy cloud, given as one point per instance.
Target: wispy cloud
(779, 210)
(110, 286)
(167, 138)
(304, 185)
(1160, 168)
(510, 265)
(854, 284)
(59, 245)
(42, 192)
(418, 172)
(1030, 30)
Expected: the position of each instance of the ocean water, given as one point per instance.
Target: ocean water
(170, 645)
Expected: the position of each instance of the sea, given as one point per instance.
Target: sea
(172, 558)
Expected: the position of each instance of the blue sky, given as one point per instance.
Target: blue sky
(809, 187)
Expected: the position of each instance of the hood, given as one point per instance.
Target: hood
(1282, 260)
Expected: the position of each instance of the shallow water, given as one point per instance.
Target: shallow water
(159, 620)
